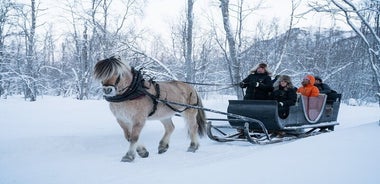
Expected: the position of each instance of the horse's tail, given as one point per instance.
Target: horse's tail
(201, 118)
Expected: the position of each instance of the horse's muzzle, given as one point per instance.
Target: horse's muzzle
(109, 90)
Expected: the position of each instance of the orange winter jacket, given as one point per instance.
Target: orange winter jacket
(309, 90)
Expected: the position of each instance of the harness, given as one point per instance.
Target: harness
(137, 90)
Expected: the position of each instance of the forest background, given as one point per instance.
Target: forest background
(50, 49)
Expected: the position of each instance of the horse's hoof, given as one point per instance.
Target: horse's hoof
(163, 148)
(128, 158)
(193, 147)
(143, 153)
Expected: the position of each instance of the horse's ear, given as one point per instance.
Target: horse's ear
(117, 57)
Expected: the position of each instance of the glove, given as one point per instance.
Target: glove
(281, 103)
(242, 85)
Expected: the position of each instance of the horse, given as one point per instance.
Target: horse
(134, 100)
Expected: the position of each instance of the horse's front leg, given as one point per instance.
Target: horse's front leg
(134, 136)
(125, 128)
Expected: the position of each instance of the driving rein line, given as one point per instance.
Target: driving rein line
(137, 90)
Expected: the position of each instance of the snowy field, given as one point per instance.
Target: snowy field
(59, 140)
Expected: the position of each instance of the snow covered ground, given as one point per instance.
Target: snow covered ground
(59, 140)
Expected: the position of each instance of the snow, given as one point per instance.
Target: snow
(59, 140)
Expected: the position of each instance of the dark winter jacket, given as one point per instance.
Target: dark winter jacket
(323, 88)
(288, 97)
(285, 96)
(259, 86)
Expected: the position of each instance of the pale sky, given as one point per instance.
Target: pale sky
(160, 15)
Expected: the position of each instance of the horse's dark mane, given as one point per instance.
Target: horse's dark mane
(109, 67)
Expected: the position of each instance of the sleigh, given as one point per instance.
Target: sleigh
(258, 122)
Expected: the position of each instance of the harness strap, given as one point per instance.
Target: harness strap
(174, 109)
(137, 89)
(186, 107)
(156, 99)
(155, 102)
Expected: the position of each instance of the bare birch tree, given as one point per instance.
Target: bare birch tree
(233, 60)
(96, 32)
(189, 42)
(294, 5)
(28, 25)
(6, 6)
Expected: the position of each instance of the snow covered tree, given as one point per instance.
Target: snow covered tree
(6, 7)
(28, 72)
(363, 19)
(98, 32)
(282, 51)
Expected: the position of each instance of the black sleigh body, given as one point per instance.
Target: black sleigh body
(257, 121)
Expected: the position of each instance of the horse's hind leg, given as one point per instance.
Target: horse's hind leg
(190, 117)
(164, 142)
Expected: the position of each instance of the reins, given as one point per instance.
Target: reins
(247, 119)
(210, 84)
(227, 86)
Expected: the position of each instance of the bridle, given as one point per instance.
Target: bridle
(108, 88)
(134, 90)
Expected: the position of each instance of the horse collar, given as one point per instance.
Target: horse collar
(137, 90)
(134, 91)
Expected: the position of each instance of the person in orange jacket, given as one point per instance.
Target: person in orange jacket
(308, 88)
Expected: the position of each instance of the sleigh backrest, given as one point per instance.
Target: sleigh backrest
(313, 107)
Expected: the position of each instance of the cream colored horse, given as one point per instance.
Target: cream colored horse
(134, 100)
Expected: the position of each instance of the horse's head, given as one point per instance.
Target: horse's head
(113, 74)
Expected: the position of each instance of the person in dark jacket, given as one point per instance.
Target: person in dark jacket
(258, 83)
(285, 94)
(332, 95)
(323, 88)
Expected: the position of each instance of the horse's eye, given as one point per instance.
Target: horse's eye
(105, 83)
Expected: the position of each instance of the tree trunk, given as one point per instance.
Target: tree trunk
(234, 64)
(189, 43)
(31, 89)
